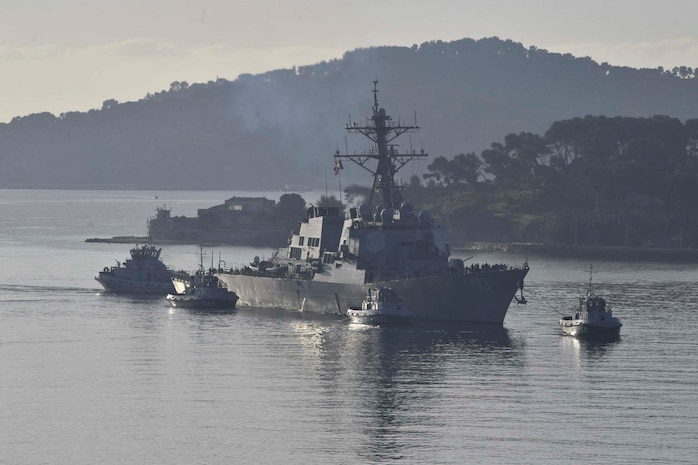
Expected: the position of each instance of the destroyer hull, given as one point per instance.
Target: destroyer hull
(482, 297)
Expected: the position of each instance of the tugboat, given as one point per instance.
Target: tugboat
(143, 273)
(381, 306)
(333, 258)
(591, 318)
(203, 291)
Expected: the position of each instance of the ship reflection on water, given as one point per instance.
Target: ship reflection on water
(399, 370)
(389, 381)
(589, 349)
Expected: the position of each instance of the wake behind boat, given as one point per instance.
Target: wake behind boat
(381, 306)
(591, 318)
(142, 273)
(333, 259)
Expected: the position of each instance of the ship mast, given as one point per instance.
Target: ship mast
(380, 129)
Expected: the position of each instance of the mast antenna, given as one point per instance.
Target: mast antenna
(339, 180)
(375, 96)
(381, 130)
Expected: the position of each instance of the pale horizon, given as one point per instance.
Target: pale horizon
(74, 55)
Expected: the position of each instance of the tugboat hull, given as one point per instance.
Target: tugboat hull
(590, 330)
(363, 317)
(201, 303)
(112, 283)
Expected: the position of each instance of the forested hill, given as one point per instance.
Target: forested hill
(281, 127)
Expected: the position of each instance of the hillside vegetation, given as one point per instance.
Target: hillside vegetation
(595, 181)
(526, 145)
(281, 127)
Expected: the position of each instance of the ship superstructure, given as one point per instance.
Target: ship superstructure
(333, 259)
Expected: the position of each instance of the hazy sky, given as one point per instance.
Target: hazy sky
(71, 55)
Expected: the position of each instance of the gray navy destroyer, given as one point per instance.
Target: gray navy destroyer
(333, 259)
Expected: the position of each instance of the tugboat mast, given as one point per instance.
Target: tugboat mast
(382, 131)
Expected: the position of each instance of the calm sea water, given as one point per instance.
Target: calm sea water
(87, 377)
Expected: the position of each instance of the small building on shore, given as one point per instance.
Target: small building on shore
(254, 221)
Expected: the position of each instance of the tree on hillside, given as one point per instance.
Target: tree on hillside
(517, 160)
(564, 141)
(292, 203)
(290, 209)
(463, 169)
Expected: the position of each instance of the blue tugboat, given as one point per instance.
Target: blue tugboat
(202, 290)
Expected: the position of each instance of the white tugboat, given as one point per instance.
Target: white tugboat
(381, 306)
(591, 318)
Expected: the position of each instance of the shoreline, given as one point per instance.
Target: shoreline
(589, 252)
(149, 240)
(120, 240)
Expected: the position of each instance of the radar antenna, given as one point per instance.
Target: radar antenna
(382, 131)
